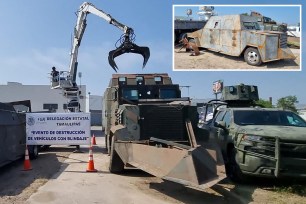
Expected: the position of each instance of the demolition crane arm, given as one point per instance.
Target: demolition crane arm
(126, 46)
(67, 80)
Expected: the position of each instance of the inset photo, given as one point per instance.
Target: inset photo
(237, 37)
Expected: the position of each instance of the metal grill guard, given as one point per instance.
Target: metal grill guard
(163, 121)
(286, 155)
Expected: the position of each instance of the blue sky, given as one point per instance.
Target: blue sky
(277, 13)
(36, 35)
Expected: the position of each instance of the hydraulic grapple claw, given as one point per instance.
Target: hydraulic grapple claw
(111, 60)
(128, 48)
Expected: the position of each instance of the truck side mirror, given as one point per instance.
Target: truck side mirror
(220, 124)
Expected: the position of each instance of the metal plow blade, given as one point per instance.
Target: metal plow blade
(128, 48)
(197, 167)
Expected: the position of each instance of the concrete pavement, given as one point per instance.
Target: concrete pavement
(72, 184)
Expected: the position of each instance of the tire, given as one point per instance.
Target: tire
(44, 147)
(107, 144)
(233, 170)
(252, 56)
(33, 151)
(116, 165)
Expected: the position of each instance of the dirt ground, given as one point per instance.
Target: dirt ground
(17, 186)
(209, 60)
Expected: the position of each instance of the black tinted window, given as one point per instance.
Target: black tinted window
(251, 25)
(219, 116)
(130, 94)
(167, 93)
(227, 118)
(263, 117)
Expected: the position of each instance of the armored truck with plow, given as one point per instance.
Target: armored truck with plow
(148, 125)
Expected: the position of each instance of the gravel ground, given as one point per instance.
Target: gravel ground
(17, 186)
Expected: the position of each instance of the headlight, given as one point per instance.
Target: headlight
(254, 138)
(258, 144)
(250, 140)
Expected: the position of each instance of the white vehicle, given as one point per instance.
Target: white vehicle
(294, 31)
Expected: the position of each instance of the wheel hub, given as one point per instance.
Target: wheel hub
(253, 57)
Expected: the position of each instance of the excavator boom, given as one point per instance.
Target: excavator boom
(127, 44)
(66, 80)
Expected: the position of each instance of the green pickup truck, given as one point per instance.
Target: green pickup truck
(258, 141)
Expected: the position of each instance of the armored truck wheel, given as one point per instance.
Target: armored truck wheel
(252, 56)
(33, 151)
(115, 163)
(106, 144)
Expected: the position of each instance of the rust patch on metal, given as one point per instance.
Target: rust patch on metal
(191, 135)
(131, 115)
(261, 46)
(279, 53)
(192, 46)
(198, 167)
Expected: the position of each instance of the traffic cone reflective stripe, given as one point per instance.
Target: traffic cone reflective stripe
(27, 164)
(91, 166)
(93, 141)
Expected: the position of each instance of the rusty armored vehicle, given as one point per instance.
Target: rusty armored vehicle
(256, 141)
(148, 125)
(238, 35)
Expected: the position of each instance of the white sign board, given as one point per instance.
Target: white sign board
(217, 87)
(58, 128)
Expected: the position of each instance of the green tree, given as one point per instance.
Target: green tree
(288, 103)
(264, 103)
(246, 14)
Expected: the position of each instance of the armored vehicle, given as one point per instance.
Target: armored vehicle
(238, 35)
(256, 141)
(149, 125)
(13, 132)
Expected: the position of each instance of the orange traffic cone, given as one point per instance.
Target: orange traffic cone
(93, 140)
(91, 165)
(27, 164)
